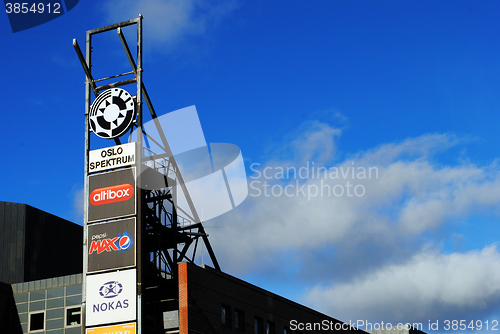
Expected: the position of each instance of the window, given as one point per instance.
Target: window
(257, 325)
(225, 315)
(55, 293)
(37, 321)
(73, 316)
(270, 328)
(239, 320)
(170, 320)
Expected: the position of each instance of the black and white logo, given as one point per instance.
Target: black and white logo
(110, 289)
(112, 113)
(111, 297)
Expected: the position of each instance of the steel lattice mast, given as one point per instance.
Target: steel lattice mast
(165, 233)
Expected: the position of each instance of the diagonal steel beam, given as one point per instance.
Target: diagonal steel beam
(86, 69)
(167, 149)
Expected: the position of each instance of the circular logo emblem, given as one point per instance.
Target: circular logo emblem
(124, 242)
(112, 113)
(110, 289)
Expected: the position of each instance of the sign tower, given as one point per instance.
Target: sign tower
(135, 230)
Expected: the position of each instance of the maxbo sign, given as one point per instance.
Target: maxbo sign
(111, 245)
(111, 297)
(128, 328)
(111, 195)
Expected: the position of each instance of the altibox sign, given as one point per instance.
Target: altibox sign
(128, 328)
(111, 157)
(111, 195)
(111, 245)
(111, 297)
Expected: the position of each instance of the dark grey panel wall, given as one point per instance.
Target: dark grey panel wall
(53, 246)
(36, 245)
(12, 218)
(9, 319)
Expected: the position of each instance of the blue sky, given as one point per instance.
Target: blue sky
(410, 88)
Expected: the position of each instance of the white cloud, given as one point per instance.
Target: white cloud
(421, 289)
(168, 22)
(78, 197)
(420, 147)
(316, 143)
(347, 244)
(411, 195)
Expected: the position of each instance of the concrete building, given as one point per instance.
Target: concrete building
(48, 292)
(36, 245)
(9, 320)
(50, 305)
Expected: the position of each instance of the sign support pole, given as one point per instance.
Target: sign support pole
(139, 190)
(164, 231)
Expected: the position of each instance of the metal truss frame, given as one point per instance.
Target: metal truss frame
(166, 233)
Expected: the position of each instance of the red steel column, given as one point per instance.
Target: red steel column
(183, 298)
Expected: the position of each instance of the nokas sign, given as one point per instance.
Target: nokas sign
(111, 245)
(111, 297)
(111, 195)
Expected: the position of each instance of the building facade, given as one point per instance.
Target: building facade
(209, 302)
(42, 259)
(52, 306)
(36, 245)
